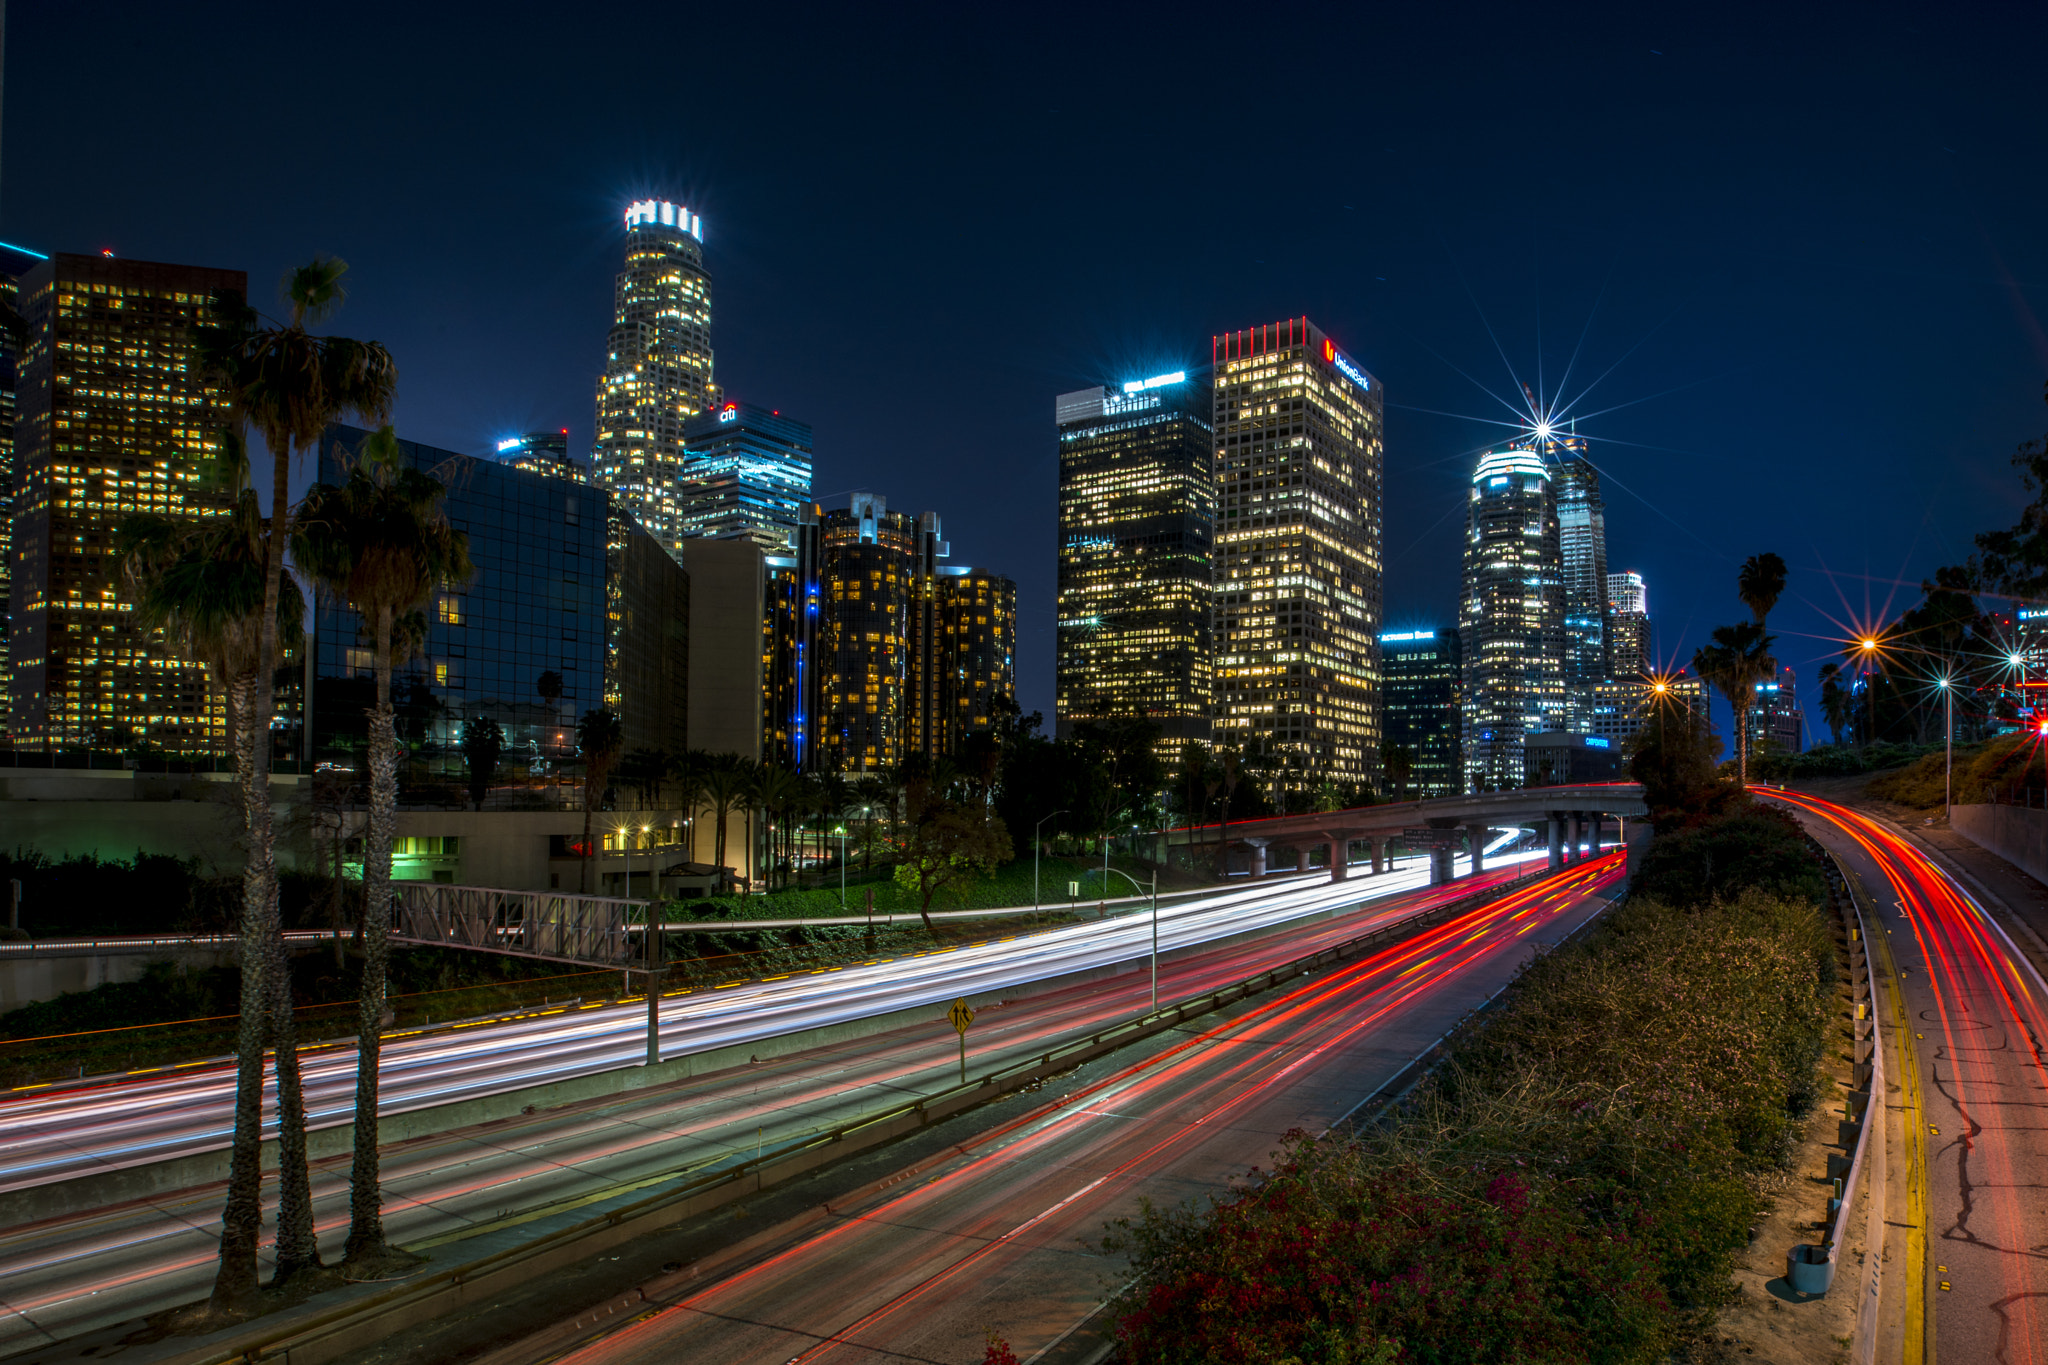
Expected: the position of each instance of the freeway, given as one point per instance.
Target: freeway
(55, 1134)
(78, 1274)
(996, 1235)
(1971, 1018)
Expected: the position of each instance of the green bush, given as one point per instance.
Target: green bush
(1836, 760)
(1754, 846)
(1571, 1185)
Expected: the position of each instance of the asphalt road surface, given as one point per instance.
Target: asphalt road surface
(1969, 1208)
(999, 1236)
(65, 1277)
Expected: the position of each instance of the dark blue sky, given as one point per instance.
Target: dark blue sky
(1817, 237)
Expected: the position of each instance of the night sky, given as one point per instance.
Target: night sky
(1808, 253)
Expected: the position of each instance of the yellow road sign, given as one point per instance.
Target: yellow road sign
(963, 1015)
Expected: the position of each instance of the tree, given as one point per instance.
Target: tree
(646, 770)
(600, 736)
(289, 385)
(778, 792)
(380, 541)
(483, 741)
(1759, 583)
(946, 843)
(1398, 762)
(1737, 658)
(2014, 563)
(1834, 700)
(726, 783)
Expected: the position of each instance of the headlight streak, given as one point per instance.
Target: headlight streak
(1950, 930)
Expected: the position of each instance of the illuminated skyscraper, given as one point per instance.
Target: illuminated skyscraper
(543, 452)
(1299, 546)
(115, 415)
(1137, 471)
(14, 263)
(746, 472)
(1775, 721)
(1629, 654)
(1582, 553)
(657, 370)
(1512, 616)
(914, 652)
(1423, 678)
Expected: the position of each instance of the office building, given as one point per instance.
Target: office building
(1619, 708)
(792, 676)
(15, 262)
(1511, 617)
(728, 615)
(1423, 673)
(913, 652)
(1582, 561)
(657, 372)
(114, 415)
(565, 583)
(1560, 759)
(746, 472)
(1137, 509)
(1299, 549)
(543, 452)
(1776, 724)
(1629, 651)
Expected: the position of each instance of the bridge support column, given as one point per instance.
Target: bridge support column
(1301, 857)
(1258, 856)
(1556, 824)
(1578, 836)
(1477, 834)
(1442, 865)
(1379, 854)
(1340, 858)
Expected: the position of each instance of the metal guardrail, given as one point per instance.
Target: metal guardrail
(328, 1335)
(1862, 1104)
(129, 944)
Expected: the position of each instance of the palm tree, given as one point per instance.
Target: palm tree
(483, 742)
(290, 385)
(686, 778)
(600, 736)
(779, 791)
(380, 542)
(1737, 658)
(1759, 583)
(725, 786)
(203, 584)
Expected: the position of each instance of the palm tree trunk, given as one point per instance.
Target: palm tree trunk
(234, 1284)
(298, 1247)
(365, 1196)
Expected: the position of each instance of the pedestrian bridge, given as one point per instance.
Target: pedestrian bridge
(1572, 817)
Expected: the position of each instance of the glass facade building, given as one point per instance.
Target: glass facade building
(565, 583)
(1299, 547)
(657, 371)
(746, 472)
(1775, 721)
(543, 452)
(113, 416)
(1582, 558)
(1137, 509)
(1511, 616)
(1629, 651)
(1423, 675)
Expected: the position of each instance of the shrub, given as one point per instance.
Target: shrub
(1754, 846)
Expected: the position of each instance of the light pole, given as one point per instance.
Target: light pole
(1948, 761)
(840, 830)
(1155, 940)
(1034, 854)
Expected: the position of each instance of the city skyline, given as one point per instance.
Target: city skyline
(1912, 340)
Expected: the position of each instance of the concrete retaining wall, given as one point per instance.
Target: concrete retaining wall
(2014, 833)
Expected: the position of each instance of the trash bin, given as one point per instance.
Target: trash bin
(1808, 1269)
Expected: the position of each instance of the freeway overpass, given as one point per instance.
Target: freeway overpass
(1572, 817)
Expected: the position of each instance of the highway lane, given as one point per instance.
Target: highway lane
(994, 1236)
(78, 1274)
(1975, 1277)
(51, 1134)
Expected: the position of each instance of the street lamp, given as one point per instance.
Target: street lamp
(840, 830)
(1034, 855)
(1154, 894)
(1948, 762)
